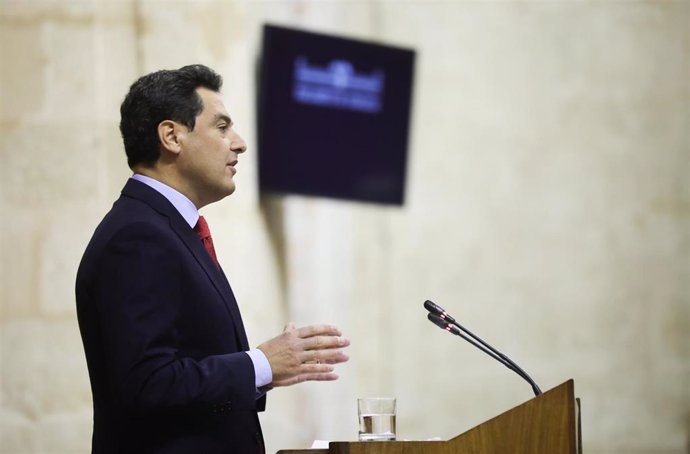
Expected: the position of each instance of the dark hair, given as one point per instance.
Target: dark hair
(161, 95)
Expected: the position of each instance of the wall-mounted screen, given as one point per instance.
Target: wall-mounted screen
(333, 116)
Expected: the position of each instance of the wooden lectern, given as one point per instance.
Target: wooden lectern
(546, 424)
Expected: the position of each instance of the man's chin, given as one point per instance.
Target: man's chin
(221, 193)
(229, 189)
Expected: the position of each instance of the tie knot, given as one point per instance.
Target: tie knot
(202, 229)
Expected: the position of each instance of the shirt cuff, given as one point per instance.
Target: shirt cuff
(262, 368)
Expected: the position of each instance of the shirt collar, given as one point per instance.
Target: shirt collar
(181, 203)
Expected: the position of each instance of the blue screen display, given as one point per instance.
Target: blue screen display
(333, 116)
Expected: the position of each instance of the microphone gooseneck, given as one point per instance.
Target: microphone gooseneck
(443, 324)
(445, 321)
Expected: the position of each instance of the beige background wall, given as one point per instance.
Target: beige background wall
(548, 205)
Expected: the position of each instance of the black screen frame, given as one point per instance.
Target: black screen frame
(315, 151)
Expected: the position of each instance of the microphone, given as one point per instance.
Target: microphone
(438, 311)
(441, 323)
(445, 321)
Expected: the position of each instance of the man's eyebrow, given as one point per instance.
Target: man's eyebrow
(220, 116)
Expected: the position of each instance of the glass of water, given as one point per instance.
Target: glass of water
(376, 418)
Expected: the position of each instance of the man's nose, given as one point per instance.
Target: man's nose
(237, 144)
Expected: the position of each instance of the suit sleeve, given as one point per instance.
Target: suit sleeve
(139, 297)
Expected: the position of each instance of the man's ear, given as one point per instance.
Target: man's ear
(169, 136)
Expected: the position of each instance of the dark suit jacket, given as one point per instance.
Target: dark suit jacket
(163, 337)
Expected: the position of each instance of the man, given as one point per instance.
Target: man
(170, 365)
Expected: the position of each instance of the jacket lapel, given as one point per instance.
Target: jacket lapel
(158, 202)
(215, 275)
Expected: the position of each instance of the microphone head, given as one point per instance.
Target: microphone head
(442, 323)
(438, 321)
(438, 310)
(433, 308)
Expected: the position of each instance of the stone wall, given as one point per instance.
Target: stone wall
(548, 204)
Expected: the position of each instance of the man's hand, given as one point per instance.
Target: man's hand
(305, 354)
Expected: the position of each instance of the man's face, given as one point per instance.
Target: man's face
(209, 152)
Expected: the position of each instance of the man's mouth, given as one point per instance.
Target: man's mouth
(232, 166)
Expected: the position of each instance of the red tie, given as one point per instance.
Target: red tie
(204, 233)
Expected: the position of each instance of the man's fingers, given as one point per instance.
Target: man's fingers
(317, 330)
(305, 351)
(289, 327)
(330, 376)
(324, 342)
(336, 358)
(324, 357)
(315, 368)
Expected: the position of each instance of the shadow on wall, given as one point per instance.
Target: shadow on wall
(687, 433)
(272, 208)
